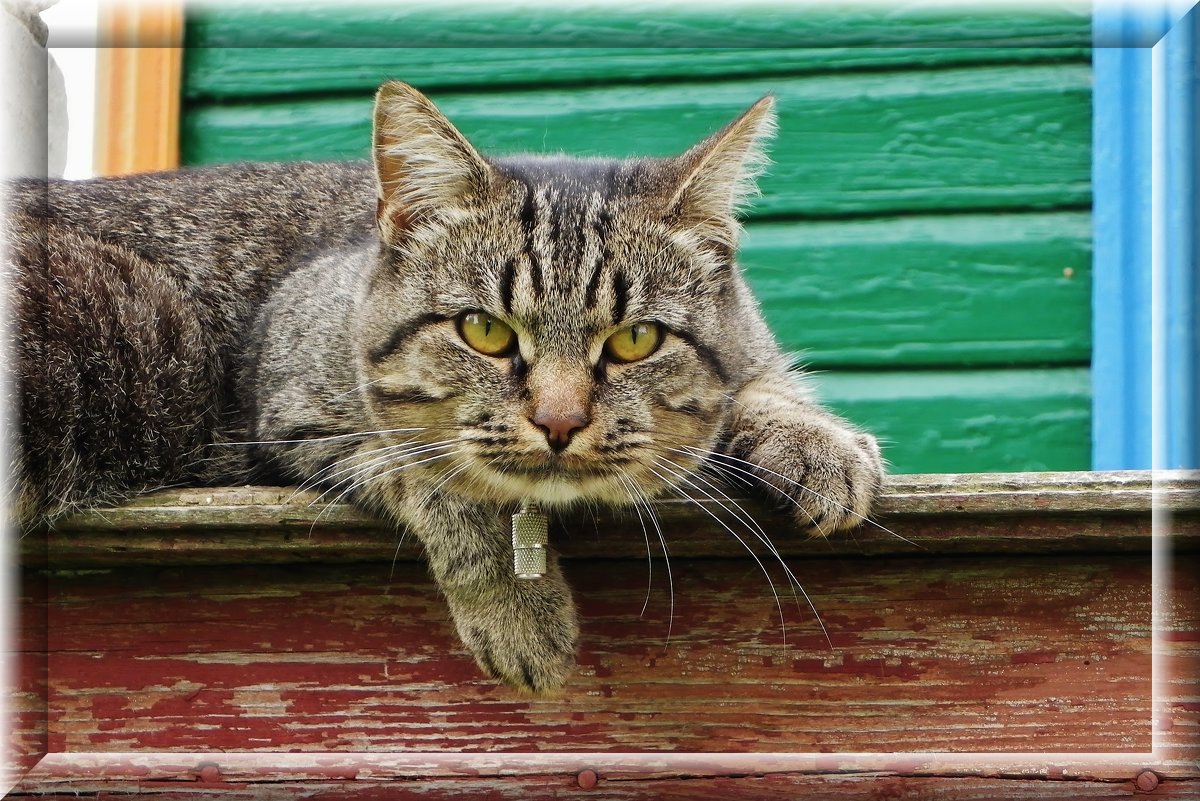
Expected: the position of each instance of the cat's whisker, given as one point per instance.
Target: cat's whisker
(709, 464)
(389, 454)
(352, 390)
(662, 540)
(443, 479)
(324, 473)
(319, 440)
(727, 471)
(724, 457)
(406, 466)
(353, 472)
(360, 471)
(746, 519)
(637, 508)
(640, 500)
(693, 453)
(668, 465)
(357, 484)
(455, 467)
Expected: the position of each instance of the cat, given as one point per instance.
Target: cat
(438, 335)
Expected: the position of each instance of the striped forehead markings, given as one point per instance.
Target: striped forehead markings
(507, 279)
(570, 230)
(529, 222)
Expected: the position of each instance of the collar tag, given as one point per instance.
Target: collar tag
(530, 528)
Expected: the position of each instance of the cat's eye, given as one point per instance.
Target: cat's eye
(634, 342)
(486, 334)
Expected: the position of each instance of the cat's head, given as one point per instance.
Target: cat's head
(562, 329)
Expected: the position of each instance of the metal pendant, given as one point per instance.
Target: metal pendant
(530, 529)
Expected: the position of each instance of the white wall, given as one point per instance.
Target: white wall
(72, 45)
(30, 93)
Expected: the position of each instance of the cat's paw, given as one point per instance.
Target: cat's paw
(828, 475)
(523, 634)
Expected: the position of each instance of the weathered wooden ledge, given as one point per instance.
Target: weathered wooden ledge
(1023, 622)
(922, 515)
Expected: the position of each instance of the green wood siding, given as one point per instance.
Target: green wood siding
(964, 138)
(647, 23)
(1009, 420)
(924, 236)
(965, 290)
(241, 72)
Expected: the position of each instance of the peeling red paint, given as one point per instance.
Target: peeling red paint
(352, 658)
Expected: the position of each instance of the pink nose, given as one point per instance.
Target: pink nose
(559, 428)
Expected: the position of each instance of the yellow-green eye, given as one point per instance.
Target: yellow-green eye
(486, 334)
(634, 342)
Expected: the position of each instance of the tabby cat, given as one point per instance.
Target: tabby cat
(438, 335)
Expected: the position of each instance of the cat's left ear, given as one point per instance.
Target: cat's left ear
(717, 176)
(425, 169)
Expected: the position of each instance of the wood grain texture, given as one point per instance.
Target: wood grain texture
(1024, 654)
(138, 87)
(226, 73)
(1175, 764)
(1063, 513)
(180, 766)
(964, 420)
(870, 143)
(958, 290)
(743, 788)
(740, 23)
(24, 688)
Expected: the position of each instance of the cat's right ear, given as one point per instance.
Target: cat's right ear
(716, 177)
(425, 169)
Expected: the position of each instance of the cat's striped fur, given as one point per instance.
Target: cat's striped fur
(270, 305)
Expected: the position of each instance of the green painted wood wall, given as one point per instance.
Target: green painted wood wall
(924, 235)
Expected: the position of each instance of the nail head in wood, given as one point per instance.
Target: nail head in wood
(210, 773)
(587, 779)
(1147, 781)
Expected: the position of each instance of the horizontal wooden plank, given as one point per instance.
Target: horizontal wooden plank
(1019, 655)
(657, 23)
(927, 291)
(244, 72)
(934, 421)
(1099, 492)
(917, 515)
(687, 531)
(174, 768)
(752, 786)
(874, 142)
(545, 773)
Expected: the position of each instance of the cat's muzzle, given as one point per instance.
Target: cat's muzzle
(530, 529)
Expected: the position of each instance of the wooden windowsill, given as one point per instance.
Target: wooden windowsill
(926, 515)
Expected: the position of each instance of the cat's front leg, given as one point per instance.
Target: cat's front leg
(522, 632)
(826, 470)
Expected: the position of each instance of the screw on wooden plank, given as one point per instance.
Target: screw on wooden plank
(209, 772)
(587, 779)
(1146, 781)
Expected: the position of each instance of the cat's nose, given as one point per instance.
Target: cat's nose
(559, 427)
